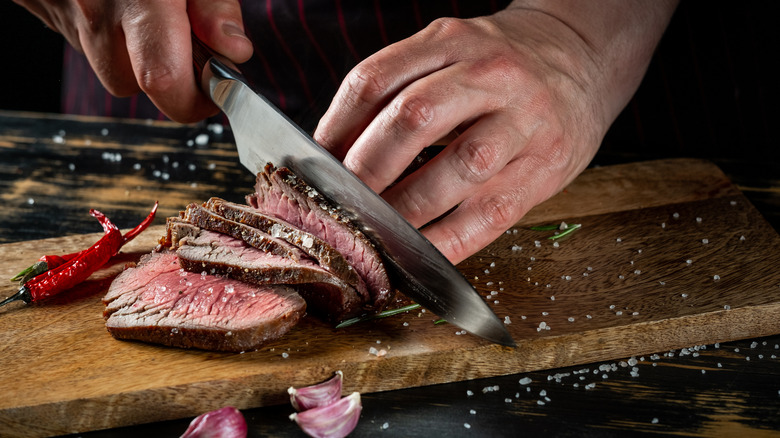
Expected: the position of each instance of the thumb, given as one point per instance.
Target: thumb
(218, 23)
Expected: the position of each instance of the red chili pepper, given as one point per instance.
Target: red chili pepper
(69, 270)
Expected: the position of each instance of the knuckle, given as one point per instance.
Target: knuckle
(365, 84)
(412, 206)
(500, 210)
(412, 112)
(477, 160)
(447, 27)
(457, 243)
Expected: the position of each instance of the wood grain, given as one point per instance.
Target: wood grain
(640, 296)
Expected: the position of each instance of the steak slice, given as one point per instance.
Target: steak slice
(260, 239)
(219, 254)
(159, 302)
(327, 257)
(281, 194)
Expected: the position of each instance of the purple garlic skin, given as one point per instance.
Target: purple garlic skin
(318, 395)
(227, 422)
(336, 420)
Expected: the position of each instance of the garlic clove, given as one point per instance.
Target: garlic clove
(227, 422)
(335, 420)
(321, 394)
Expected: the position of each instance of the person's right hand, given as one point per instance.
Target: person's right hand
(145, 45)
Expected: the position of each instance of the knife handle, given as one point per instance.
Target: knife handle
(210, 65)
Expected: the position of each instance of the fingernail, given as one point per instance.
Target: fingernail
(231, 29)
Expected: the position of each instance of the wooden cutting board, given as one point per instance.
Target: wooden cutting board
(670, 255)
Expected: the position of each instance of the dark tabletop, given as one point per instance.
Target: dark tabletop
(727, 389)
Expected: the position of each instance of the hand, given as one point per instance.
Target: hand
(531, 93)
(144, 45)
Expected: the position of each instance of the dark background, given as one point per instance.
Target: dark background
(710, 92)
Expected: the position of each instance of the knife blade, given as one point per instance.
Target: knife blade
(263, 134)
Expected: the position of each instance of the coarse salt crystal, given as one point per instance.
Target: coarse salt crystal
(285, 355)
(202, 139)
(716, 277)
(705, 241)
(525, 381)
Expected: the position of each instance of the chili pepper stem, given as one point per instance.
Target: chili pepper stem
(23, 294)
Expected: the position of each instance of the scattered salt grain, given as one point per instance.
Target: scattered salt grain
(467, 426)
(487, 389)
(285, 355)
(473, 412)
(517, 248)
(654, 421)
(525, 381)
(618, 240)
(216, 128)
(727, 307)
(30, 201)
(385, 425)
(202, 139)
(507, 321)
(676, 215)
(571, 319)
(104, 132)
(705, 241)
(698, 219)
(556, 245)
(716, 277)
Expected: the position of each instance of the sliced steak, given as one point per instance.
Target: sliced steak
(328, 257)
(281, 194)
(219, 254)
(257, 238)
(159, 302)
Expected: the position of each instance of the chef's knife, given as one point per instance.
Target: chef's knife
(263, 134)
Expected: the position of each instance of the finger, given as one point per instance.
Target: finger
(219, 25)
(373, 82)
(421, 114)
(160, 49)
(456, 173)
(495, 207)
(92, 28)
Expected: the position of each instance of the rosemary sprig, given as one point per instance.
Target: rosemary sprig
(565, 232)
(383, 314)
(545, 227)
(552, 227)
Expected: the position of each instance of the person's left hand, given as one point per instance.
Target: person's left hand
(521, 89)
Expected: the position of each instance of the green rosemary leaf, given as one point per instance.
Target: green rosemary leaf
(545, 227)
(383, 314)
(565, 232)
